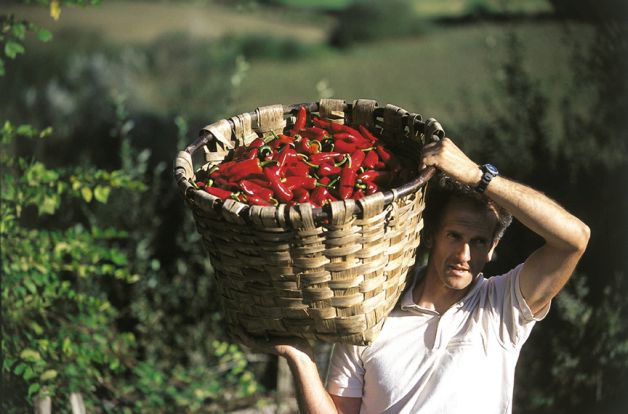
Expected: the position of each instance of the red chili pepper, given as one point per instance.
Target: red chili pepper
(370, 159)
(299, 124)
(252, 154)
(367, 134)
(309, 146)
(384, 154)
(226, 184)
(321, 196)
(314, 133)
(352, 139)
(301, 195)
(347, 182)
(344, 146)
(286, 156)
(293, 183)
(281, 191)
(257, 200)
(357, 159)
(371, 188)
(252, 189)
(219, 192)
(256, 143)
(358, 194)
(325, 170)
(200, 184)
(244, 169)
(297, 169)
(376, 176)
(321, 157)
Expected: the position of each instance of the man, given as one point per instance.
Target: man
(452, 343)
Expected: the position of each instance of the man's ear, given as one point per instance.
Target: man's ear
(491, 252)
(428, 241)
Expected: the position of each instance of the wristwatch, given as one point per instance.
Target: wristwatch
(489, 171)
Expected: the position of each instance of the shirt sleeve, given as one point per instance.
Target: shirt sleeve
(511, 312)
(345, 376)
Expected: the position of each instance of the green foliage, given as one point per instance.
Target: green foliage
(369, 20)
(58, 333)
(12, 35)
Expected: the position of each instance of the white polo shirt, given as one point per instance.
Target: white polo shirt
(462, 361)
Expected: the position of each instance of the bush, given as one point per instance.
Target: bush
(368, 20)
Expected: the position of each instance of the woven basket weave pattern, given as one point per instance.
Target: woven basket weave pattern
(282, 271)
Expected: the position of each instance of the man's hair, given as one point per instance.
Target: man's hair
(443, 189)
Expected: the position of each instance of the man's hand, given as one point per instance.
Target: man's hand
(282, 346)
(448, 158)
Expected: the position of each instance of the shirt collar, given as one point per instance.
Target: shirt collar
(407, 301)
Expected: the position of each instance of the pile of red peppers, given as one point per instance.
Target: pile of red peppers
(323, 162)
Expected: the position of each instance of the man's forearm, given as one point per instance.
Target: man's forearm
(540, 214)
(311, 394)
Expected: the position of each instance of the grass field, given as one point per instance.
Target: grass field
(447, 73)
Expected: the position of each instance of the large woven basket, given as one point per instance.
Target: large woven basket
(331, 273)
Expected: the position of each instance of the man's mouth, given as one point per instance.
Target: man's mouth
(460, 270)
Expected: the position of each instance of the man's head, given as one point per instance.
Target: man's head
(462, 229)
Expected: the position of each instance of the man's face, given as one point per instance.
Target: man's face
(462, 244)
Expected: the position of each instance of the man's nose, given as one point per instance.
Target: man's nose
(464, 252)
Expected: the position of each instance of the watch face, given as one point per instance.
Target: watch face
(491, 169)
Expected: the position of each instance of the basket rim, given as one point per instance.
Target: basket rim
(430, 127)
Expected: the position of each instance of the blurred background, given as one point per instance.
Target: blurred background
(106, 290)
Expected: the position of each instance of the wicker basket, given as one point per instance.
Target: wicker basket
(331, 274)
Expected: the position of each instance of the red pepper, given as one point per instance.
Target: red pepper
(357, 159)
(297, 169)
(367, 134)
(325, 170)
(299, 124)
(301, 195)
(219, 192)
(252, 189)
(347, 182)
(243, 169)
(314, 133)
(370, 159)
(321, 196)
(308, 147)
(252, 154)
(359, 193)
(352, 139)
(321, 157)
(281, 191)
(371, 187)
(282, 141)
(256, 143)
(384, 154)
(286, 156)
(258, 200)
(344, 146)
(293, 183)
(378, 177)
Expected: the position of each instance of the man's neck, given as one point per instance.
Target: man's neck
(430, 293)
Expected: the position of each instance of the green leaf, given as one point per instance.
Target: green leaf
(44, 35)
(87, 194)
(2, 71)
(30, 355)
(48, 375)
(101, 193)
(12, 49)
(33, 389)
(18, 30)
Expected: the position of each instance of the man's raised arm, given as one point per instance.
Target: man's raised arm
(546, 270)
